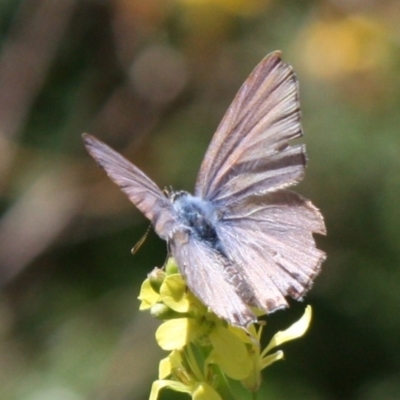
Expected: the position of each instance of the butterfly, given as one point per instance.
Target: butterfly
(242, 240)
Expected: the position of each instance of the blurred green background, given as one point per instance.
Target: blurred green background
(153, 78)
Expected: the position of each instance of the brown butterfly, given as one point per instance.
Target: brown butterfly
(243, 240)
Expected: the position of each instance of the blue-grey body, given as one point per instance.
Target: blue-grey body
(199, 216)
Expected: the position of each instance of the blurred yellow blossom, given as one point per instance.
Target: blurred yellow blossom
(332, 48)
(240, 7)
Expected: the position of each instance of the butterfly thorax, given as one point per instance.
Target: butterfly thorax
(198, 215)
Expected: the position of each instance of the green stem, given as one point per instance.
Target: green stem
(191, 359)
(223, 387)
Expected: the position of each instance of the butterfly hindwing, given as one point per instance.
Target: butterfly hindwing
(270, 241)
(206, 275)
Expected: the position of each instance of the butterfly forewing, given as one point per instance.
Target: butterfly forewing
(252, 178)
(249, 153)
(140, 189)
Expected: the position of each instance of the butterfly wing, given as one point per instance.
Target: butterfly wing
(207, 276)
(265, 230)
(269, 239)
(140, 189)
(249, 153)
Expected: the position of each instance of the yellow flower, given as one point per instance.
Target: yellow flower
(204, 349)
(147, 296)
(166, 291)
(177, 333)
(183, 379)
(229, 353)
(200, 391)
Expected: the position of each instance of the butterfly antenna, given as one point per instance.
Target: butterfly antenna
(137, 246)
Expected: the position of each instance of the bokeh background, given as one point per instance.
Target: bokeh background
(153, 78)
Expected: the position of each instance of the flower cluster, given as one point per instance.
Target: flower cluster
(205, 351)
